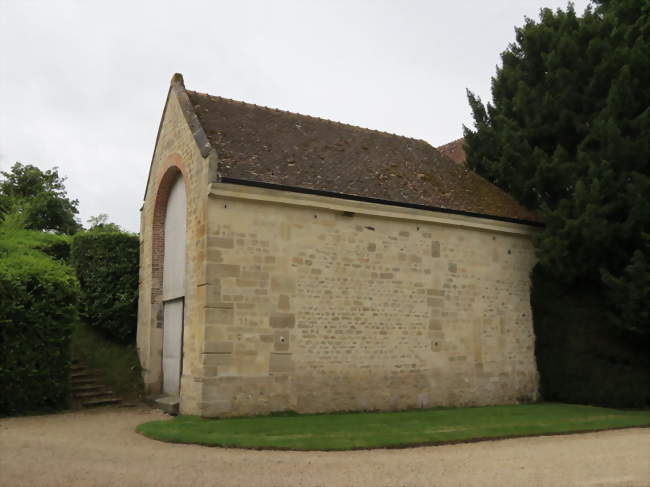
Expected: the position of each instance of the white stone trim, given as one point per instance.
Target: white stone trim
(236, 191)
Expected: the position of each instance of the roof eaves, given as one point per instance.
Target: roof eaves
(200, 137)
(344, 196)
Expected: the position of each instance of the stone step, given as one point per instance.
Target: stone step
(84, 373)
(101, 401)
(87, 387)
(90, 386)
(78, 381)
(98, 393)
(87, 375)
(168, 404)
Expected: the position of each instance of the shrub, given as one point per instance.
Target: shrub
(26, 241)
(107, 268)
(581, 357)
(38, 297)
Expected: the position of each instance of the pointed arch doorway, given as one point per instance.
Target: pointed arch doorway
(173, 296)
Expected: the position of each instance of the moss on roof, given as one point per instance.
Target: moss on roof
(265, 145)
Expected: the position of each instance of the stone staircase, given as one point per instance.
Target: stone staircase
(87, 388)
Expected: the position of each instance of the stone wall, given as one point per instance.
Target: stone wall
(176, 151)
(319, 304)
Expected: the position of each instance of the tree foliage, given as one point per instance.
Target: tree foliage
(568, 134)
(100, 223)
(37, 199)
(581, 357)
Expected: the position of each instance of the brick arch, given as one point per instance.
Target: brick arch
(171, 169)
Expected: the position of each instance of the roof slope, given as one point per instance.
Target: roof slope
(265, 145)
(454, 150)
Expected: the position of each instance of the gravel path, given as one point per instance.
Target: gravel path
(100, 448)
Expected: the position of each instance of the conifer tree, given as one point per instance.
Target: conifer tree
(568, 134)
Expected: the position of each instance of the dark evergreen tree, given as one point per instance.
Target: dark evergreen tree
(568, 134)
(39, 198)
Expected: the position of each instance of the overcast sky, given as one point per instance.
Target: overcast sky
(83, 83)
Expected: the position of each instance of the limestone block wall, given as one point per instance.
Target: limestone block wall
(176, 152)
(319, 304)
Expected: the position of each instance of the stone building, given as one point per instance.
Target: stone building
(294, 263)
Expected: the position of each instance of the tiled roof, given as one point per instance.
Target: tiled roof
(264, 145)
(454, 150)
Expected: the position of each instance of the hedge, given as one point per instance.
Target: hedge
(107, 266)
(38, 298)
(581, 356)
(22, 241)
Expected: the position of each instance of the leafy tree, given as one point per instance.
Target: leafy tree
(38, 199)
(568, 134)
(100, 223)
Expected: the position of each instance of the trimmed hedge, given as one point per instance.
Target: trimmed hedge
(38, 298)
(21, 241)
(582, 357)
(107, 266)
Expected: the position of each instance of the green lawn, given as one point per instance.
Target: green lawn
(346, 431)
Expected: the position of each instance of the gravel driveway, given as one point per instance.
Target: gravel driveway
(99, 447)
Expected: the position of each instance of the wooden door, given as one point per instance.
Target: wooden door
(174, 287)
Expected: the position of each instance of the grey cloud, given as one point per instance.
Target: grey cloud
(82, 83)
